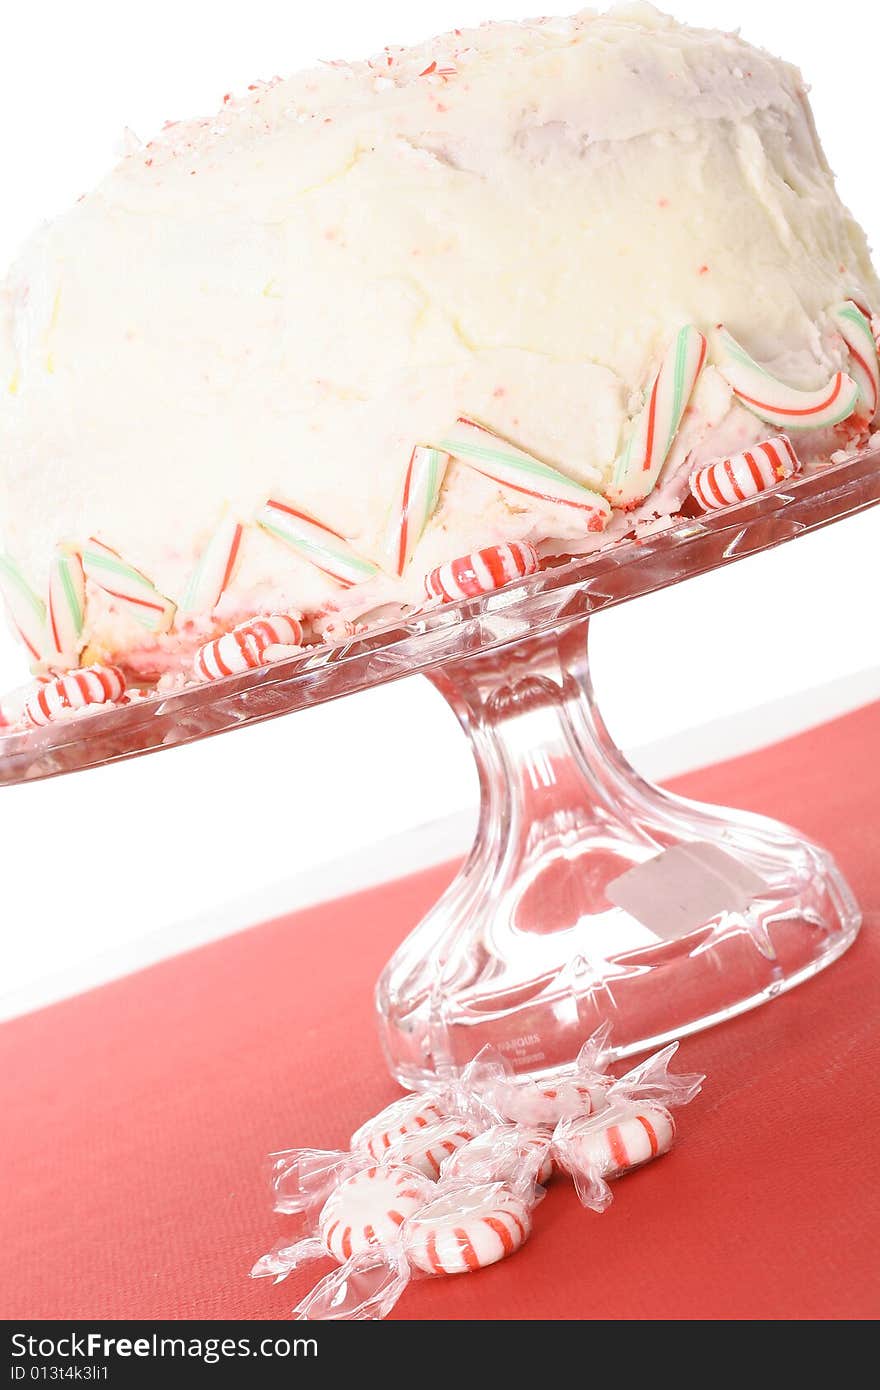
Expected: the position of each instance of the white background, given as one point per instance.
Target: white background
(106, 869)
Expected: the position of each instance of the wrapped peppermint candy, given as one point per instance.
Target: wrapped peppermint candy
(462, 1228)
(490, 1082)
(635, 1126)
(516, 1155)
(363, 1212)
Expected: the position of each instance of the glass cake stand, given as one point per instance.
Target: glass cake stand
(589, 894)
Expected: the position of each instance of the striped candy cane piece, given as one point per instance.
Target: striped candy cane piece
(129, 589)
(771, 400)
(855, 329)
(323, 547)
(482, 571)
(368, 1209)
(507, 1153)
(244, 648)
(637, 469)
(725, 481)
(414, 505)
(27, 612)
(67, 607)
(214, 568)
(466, 1229)
(427, 1148)
(405, 1116)
(90, 685)
(504, 463)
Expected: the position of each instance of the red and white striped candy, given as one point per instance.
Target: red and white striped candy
(91, 685)
(640, 464)
(505, 1153)
(214, 568)
(787, 406)
(415, 504)
(127, 586)
(550, 1102)
(26, 610)
(66, 611)
(725, 481)
(244, 648)
(326, 549)
(498, 459)
(405, 1116)
(854, 326)
(368, 1210)
(482, 571)
(466, 1229)
(633, 1135)
(426, 1149)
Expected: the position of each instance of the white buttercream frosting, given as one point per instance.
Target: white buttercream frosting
(509, 223)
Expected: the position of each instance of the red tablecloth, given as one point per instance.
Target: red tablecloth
(137, 1116)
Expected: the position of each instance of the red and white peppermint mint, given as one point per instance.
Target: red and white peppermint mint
(426, 1149)
(214, 568)
(786, 406)
(245, 647)
(328, 550)
(26, 610)
(725, 481)
(482, 571)
(605, 1146)
(405, 1116)
(466, 1229)
(59, 698)
(368, 1209)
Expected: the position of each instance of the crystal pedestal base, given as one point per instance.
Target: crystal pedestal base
(591, 894)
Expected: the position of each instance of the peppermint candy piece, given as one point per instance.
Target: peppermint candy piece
(637, 469)
(504, 463)
(611, 1144)
(368, 1209)
(244, 648)
(405, 1116)
(507, 1153)
(466, 1229)
(90, 685)
(214, 568)
(323, 547)
(27, 612)
(855, 329)
(415, 504)
(772, 400)
(429, 1147)
(482, 571)
(67, 607)
(129, 589)
(725, 481)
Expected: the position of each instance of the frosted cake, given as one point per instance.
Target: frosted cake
(386, 332)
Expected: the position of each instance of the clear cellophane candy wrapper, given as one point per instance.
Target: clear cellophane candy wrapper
(634, 1126)
(461, 1228)
(492, 1087)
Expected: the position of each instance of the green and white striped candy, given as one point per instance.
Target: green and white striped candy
(67, 607)
(414, 505)
(856, 332)
(27, 611)
(214, 568)
(637, 469)
(772, 400)
(323, 547)
(129, 589)
(504, 463)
